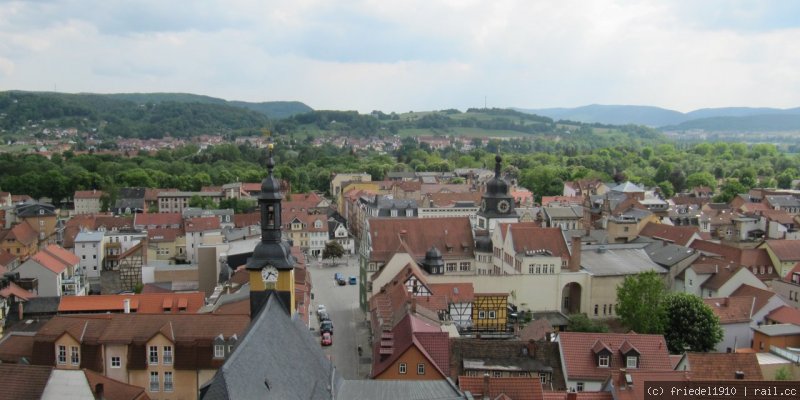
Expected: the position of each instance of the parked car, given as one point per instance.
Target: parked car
(339, 278)
(321, 308)
(327, 339)
(326, 327)
(323, 316)
(353, 280)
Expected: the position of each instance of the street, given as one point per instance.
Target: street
(341, 302)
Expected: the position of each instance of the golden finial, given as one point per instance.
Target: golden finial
(268, 134)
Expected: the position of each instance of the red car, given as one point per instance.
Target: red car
(327, 339)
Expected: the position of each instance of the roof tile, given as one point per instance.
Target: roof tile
(579, 362)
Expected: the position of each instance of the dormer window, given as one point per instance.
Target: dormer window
(631, 361)
(603, 360)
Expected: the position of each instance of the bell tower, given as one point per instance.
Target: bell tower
(271, 268)
(496, 203)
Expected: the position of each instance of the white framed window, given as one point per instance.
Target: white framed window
(492, 314)
(219, 351)
(631, 361)
(75, 357)
(154, 381)
(168, 384)
(403, 368)
(579, 386)
(167, 356)
(481, 314)
(116, 362)
(542, 378)
(464, 266)
(62, 354)
(153, 355)
(603, 361)
(420, 369)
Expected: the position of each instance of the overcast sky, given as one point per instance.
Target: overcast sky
(409, 55)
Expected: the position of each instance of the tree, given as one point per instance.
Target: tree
(690, 324)
(783, 374)
(701, 179)
(582, 323)
(332, 250)
(640, 301)
(203, 202)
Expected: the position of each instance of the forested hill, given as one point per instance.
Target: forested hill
(137, 115)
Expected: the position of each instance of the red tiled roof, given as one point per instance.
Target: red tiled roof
(723, 366)
(13, 290)
(88, 194)
(795, 269)
(48, 261)
(6, 258)
(579, 361)
(202, 224)
(536, 330)
(452, 236)
(24, 381)
(16, 346)
(450, 199)
(23, 233)
(785, 250)
(241, 307)
(160, 220)
(62, 254)
(245, 220)
(114, 389)
(145, 303)
(151, 194)
(779, 216)
(731, 310)
(762, 296)
(784, 315)
(161, 235)
(530, 237)
(572, 200)
(548, 395)
(454, 292)
(674, 234)
(515, 388)
(411, 331)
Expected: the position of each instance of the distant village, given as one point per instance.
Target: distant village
(465, 289)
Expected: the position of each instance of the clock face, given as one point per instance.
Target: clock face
(269, 274)
(503, 206)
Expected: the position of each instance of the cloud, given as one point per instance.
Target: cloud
(414, 54)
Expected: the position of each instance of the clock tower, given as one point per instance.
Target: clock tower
(497, 205)
(271, 268)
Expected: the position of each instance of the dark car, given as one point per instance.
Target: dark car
(326, 326)
(353, 280)
(323, 316)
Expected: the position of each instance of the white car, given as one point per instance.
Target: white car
(320, 308)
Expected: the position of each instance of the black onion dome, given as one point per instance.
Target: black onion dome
(483, 244)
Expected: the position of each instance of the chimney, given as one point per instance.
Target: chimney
(20, 310)
(486, 386)
(622, 380)
(126, 304)
(739, 375)
(572, 395)
(575, 258)
(99, 391)
(413, 305)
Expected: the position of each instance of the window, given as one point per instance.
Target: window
(62, 354)
(580, 386)
(219, 351)
(153, 355)
(153, 381)
(595, 309)
(115, 362)
(481, 314)
(492, 314)
(409, 213)
(497, 374)
(464, 266)
(602, 361)
(403, 368)
(631, 361)
(75, 357)
(167, 356)
(542, 378)
(420, 369)
(168, 381)
(451, 267)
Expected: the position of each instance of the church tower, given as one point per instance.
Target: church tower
(271, 268)
(497, 205)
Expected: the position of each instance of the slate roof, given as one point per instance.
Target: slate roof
(277, 358)
(779, 329)
(579, 362)
(145, 303)
(667, 255)
(516, 388)
(674, 234)
(88, 194)
(731, 310)
(421, 234)
(398, 390)
(723, 366)
(24, 381)
(609, 260)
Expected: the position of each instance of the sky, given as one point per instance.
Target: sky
(412, 55)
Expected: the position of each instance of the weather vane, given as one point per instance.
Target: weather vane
(268, 134)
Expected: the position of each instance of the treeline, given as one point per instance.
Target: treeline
(540, 165)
